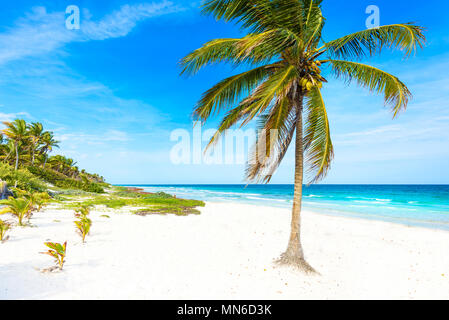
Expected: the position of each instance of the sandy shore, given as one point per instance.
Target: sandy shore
(226, 252)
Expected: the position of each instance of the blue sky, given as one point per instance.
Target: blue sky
(112, 93)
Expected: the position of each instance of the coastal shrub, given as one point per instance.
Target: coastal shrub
(83, 227)
(137, 193)
(57, 251)
(21, 179)
(37, 199)
(127, 194)
(163, 210)
(62, 181)
(148, 204)
(114, 202)
(71, 193)
(4, 227)
(19, 208)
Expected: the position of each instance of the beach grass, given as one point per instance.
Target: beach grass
(147, 203)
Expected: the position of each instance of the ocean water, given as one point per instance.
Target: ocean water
(414, 205)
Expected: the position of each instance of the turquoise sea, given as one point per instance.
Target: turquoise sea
(415, 205)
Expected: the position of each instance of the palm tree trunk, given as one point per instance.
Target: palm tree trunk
(45, 162)
(34, 151)
(17, 156)
(294, 255)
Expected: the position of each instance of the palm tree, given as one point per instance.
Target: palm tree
(17, 207)
(48, 143)
(8, 149)
(16, 131)
(56, 163)
(36, 131)
(61, 164)
(286, 53)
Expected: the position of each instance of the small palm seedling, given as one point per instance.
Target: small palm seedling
(57, 251)
(82, 211)
(83, 226)
(20, 208)
(39, 199)
(4, 227)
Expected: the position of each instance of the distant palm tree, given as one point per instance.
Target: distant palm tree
(8, 150)
(57, 163)
(63, 165)
(36, 131)
(48, 143)
(287, 53)
(16, 131)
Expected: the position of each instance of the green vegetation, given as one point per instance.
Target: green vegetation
(82, 211)
(20, 208)
(286, 52)
(163, 210)
(84, 223)
(83, 227)
(57, 251)
(161, 203)
(37, 199)
(26, 164)
(4, 227)
(21, 178)
(40, 199)
(62, 181)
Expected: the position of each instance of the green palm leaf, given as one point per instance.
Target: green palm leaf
(275, 87)
(228, 91)
(405, 36)
(253, 49)
(317, 139)
(271, 146)
(395, 92)
(256, 15)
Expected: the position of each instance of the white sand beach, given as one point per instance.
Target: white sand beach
(226, 252)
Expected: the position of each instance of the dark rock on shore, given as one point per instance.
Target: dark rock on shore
(5, 193)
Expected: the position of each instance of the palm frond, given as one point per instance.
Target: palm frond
(277, 86)
(275, 134)
(214, 51)
(253, 49)
(407, 37)
(318, 148)
(267, 45)
(313, 22)
(395, 92)
(227, 92)
(255, 15)
(232, 118)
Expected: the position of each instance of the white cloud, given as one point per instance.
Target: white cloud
(93, 139)
(119, 23)
(13, 116)
(40, 32)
